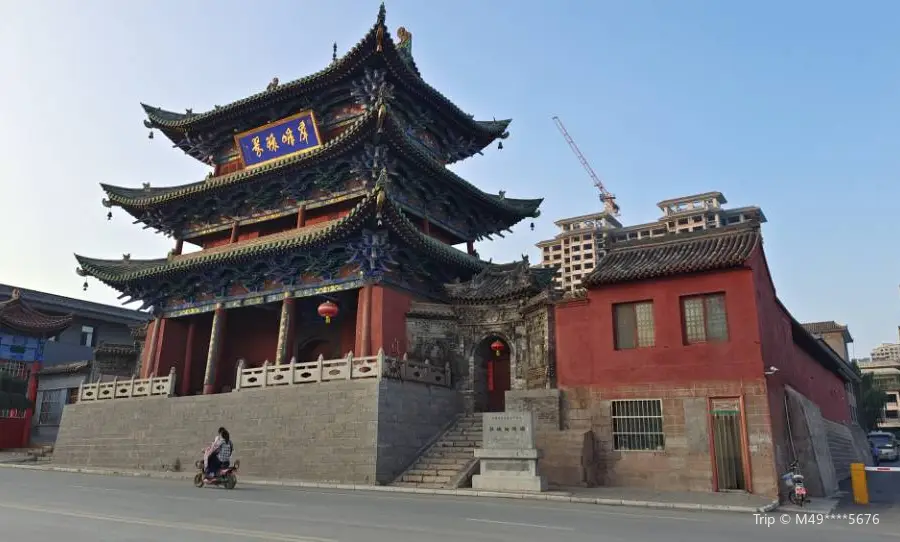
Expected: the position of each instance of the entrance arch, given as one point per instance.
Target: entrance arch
(311, 349)
(495, 366)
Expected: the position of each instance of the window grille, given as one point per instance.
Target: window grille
(638, 425)
(19, 371)
(634, 325)
(52, 403)
(704, 318)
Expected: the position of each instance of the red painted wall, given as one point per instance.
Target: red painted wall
(796, 368)
(585, 351)
(173, 334)
(250, 333)
(11, 431)
(389, 308)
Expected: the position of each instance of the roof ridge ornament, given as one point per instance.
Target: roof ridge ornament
(405, 44)
(16, 294)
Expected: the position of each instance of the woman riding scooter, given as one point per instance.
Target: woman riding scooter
(218, 454)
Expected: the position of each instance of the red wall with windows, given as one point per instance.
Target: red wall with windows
(585, 335)
(759, 336)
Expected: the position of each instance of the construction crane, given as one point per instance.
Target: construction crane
(609, 200)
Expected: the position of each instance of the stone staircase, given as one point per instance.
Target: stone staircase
(448, 458)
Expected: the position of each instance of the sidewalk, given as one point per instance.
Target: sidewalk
(606, 496)
(15, 456)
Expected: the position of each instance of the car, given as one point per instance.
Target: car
(886, 444)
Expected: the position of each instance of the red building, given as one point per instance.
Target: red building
(682, 361)
(23, 333)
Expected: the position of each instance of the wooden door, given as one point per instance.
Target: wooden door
(728, 447)
(497, 383)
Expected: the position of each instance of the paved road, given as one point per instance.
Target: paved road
(38, 505)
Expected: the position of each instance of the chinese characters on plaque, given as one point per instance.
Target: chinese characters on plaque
(297, 133)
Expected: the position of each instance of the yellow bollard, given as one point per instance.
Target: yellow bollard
(858, 481)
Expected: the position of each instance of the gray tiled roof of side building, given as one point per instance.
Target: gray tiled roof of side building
(56, 303)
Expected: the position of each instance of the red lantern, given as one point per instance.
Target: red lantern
(497, 346)
(328, 310)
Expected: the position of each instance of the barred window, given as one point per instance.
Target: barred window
(851, 401)
(19, 371)
(51, 406)
(634, 326)
(704, 318)
(638, 425)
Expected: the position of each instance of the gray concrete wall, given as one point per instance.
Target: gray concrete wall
(410, 416)
(845, 449)
(56, 353)
(363, 432)
(810, 438)
(108, 332)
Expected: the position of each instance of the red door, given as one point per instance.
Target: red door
(497, 383)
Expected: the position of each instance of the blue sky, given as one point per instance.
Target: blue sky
(791, 106)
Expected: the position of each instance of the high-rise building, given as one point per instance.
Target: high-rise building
(583, 240)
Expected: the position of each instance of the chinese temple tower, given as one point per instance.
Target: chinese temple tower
(329, 224)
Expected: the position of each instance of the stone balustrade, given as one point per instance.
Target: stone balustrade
(346, 368)
(128, 388)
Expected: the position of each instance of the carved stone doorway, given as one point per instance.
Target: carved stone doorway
(497, 373)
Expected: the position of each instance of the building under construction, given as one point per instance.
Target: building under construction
(583, 240)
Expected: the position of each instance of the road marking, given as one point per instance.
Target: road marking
(518, 504)
(264, 503)
(455, 534)
(196, 527)
(514, 524)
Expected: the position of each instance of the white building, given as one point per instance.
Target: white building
(583, 240)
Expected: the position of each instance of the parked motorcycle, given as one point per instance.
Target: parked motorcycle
(226, 477)
(793, 479)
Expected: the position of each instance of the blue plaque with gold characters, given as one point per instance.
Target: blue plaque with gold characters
(290, 135)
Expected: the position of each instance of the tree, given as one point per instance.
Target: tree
(13, 393)
(870, 401)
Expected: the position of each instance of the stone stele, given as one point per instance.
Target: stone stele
(508, 461)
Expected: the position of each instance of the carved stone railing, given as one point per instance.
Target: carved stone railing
(128, 388)
(346, 368)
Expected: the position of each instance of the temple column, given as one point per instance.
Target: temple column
(426, 226)
(301, 216)
(188, 358)
(285, 331)
(179, 247)
(366, 328)
(215, 350)
(32, 397)
(157, 349)
(234, 232)
(149, 359)
(470, 247)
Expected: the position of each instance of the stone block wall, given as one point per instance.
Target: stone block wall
(567, 458)
(319, 432)
(844, 449)
(545, 403)
(363, 432)
(686, 463)
(410, 416)
(810, 441)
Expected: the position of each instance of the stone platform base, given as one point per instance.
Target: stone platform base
(364, 432)
(487, 482)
